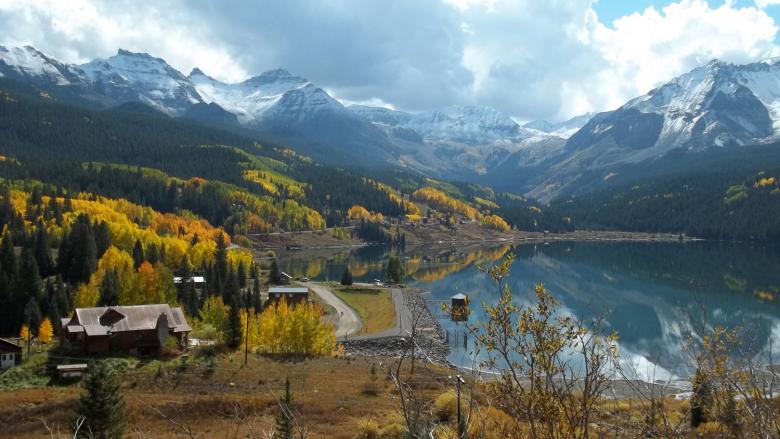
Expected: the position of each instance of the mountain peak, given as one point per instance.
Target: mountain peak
(275, 75)
(197, 72)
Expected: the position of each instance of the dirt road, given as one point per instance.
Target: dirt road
(348, 322)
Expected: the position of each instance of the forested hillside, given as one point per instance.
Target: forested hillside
(79, 249)
(229, 179)
(740, 205)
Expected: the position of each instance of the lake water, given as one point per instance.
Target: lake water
(653, 294)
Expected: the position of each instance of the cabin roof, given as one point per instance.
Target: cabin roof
(288, 290)
(9, 346)
(459, 296)
(125, 318)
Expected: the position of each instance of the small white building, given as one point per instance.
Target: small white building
(10, 354)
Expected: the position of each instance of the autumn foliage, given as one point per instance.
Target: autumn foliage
(361, 213)
(289, 330)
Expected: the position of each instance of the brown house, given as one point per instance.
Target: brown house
(139, 329)
(291, 295)
(10, 354)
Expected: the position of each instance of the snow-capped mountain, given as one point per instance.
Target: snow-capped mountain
(563, 129)
(129, 76)
(27, 63)
(474, 125)
(716, 105)
(249, 99)
(713, 106)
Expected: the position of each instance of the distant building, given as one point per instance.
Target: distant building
(140, 329)
(459, 307)
(284, 278)
(199, 281)
(291, 295)
(10, 354)
(71, 370)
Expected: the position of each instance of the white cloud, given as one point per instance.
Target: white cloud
(764, 3)
(529, 58)
(77, 31)
(648, 48)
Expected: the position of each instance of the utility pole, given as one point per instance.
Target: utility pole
(461, 428)
(246, 339)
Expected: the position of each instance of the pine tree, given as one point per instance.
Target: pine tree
(82, 251)
(234, 324)
(101, 405)
(28, 281)
(109, 289)
(275, 276)
(32, 314)
(152, 255)
(284, 424)
(220, 259)
(394, 270)
(138, 254)
(8, 256)
(42, 251)
(231, 288)
(102, 237)
(346, 278)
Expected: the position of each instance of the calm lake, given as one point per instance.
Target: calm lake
(653, 294)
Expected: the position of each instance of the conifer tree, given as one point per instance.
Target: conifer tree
(81, 252)
(346, 278)
(7, 318)
(101, 405)
(394, 269)
(109, 289)
(235, 328)
(42, 251)
(138, 254)
(102, 237)
(32, 314)
(28, 281)
(220, 259)
(8, 257)
(275, 276)
(284, 425)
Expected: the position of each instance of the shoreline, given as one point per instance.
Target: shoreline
(287, 240)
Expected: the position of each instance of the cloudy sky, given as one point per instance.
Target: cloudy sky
(529, 58)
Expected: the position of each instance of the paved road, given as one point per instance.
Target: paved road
(403, 319)
(348, 322)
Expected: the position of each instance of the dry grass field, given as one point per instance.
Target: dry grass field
(223, 398)
(374, 306)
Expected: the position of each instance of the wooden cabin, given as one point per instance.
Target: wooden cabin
(140, 329)
(10, 354)
(291, 295)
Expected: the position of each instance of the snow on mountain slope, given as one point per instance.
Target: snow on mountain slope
(130, 76)
(473, 125)
(249, 99)
(28, 63)
(713, 106)
(563, 129)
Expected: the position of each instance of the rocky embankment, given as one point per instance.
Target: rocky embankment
(430, 343)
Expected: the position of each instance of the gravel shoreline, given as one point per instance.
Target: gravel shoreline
(431, 343)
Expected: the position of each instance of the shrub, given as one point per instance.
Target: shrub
(393, 431)
(368, 430)
(445, 406)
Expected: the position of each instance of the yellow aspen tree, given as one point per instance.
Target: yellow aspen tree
(45, 331)
(25, 333)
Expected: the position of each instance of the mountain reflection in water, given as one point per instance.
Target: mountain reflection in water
(655, 295)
